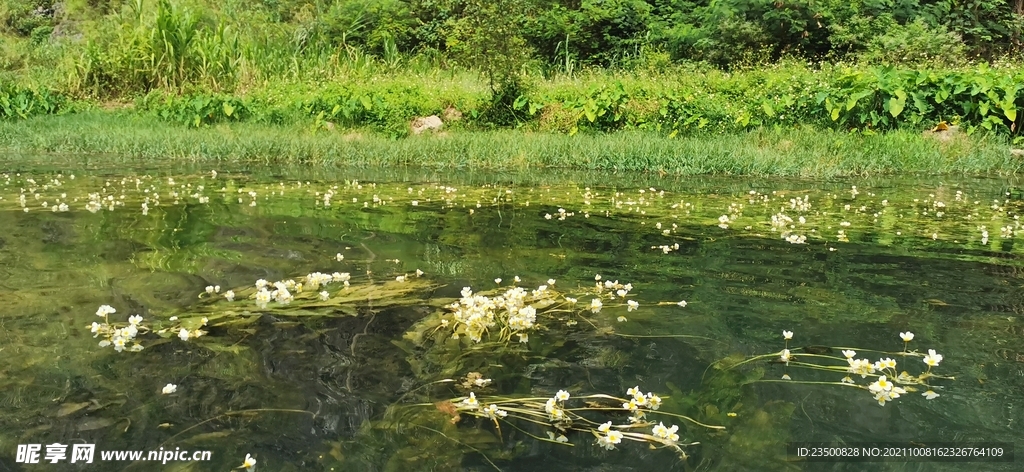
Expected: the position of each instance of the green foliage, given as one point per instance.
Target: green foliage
(23, 102)
(885, 98)
(601, 32)
(176, 48)
(197, 110)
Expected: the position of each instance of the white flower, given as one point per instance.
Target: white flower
(229, 295)
(621, 319)
(633, 305)
(562, 395)
(605, 427)
(339, 257)
(324, 296)
(849, 353)
(597, 277)
(595, 305)
(419, 272)
(660, 431)
(551, 281)
(497, 280)
(881, 385)
(105, 310)
(183, 334)
(932, 359)
(907, 337)
(169, 389)
(471, 402)
(134, 320)
(482, 382)
(491, 411)
(209, 289)
(930, 394)
(784, 355)
(400, 278)
(681, 303)
(787, 334)
(249, 463)
(786, 377)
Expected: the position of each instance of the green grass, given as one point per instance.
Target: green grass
(125, 137)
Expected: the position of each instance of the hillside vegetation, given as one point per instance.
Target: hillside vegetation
(672, 66)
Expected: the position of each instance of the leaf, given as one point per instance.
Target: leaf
(767, 108)
(896, 105)
(590, 110)
(228, 109)
(365, 100)
(835, 113)
(69, 408)
(90, 424)
(1010, 113)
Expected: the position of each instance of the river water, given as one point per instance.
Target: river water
(378, 375)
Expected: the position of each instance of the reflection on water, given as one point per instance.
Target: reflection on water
(345, 387)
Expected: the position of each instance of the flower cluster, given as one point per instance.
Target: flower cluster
(638, 402)
(889, 383)
(608, 437)
(512, 313)
(119, 337)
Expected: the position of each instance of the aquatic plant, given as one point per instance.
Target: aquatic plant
(887, 381)
(564, 414)
(118, 335)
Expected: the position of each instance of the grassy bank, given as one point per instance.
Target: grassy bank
(128, 137)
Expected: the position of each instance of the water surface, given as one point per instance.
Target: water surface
(353, 385)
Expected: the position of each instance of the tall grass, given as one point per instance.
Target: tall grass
(763, 152)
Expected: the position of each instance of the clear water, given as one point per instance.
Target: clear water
(347, 387)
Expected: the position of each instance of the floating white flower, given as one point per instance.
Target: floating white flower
(400, 278)
(183, 334)
(497, 280)
(562, 395)
(787, 335)
(339, 257)
(930, 394)
(471, 401)
(785, 355)
(324, 296)
(681, 303)
(229, 295)
(134, 320)
(105, 310)
(849, 353)
(491, 411)
(621, 319)
(169, 389)
(907, 337)
(209, 289)
(662, 432)
(249, 463)
(595, 305)
(932, 359)
(482, 382)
